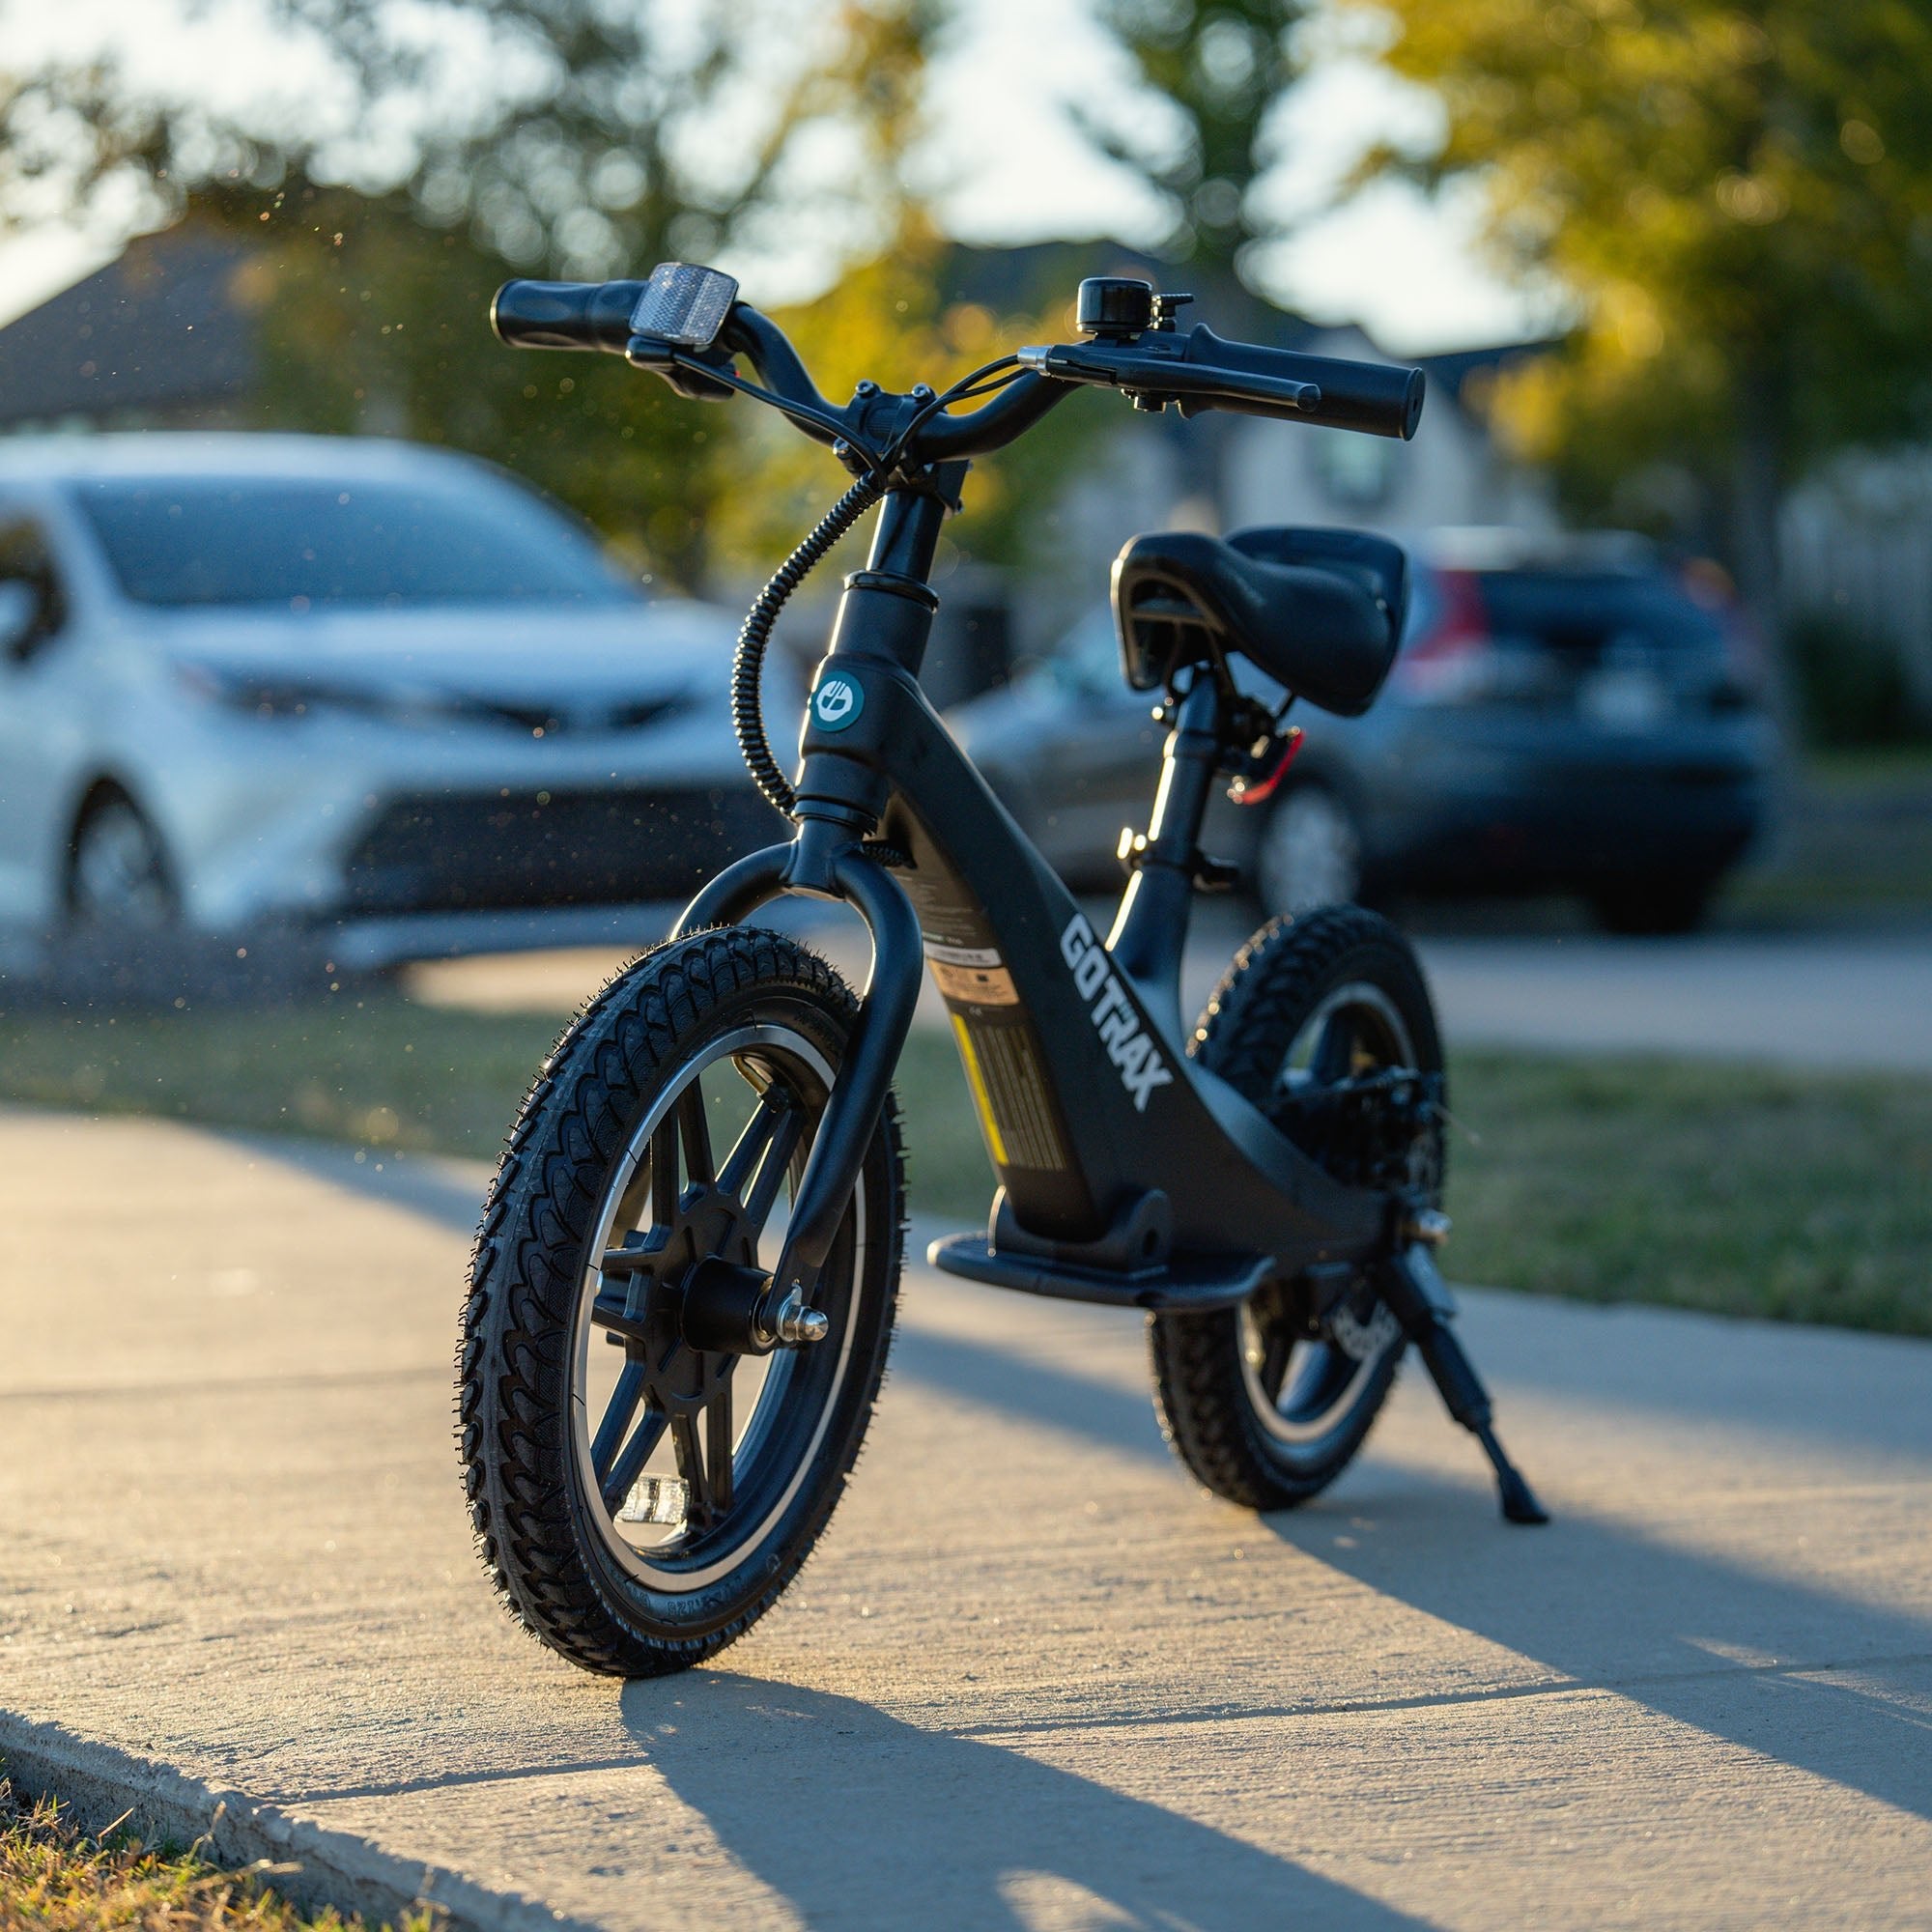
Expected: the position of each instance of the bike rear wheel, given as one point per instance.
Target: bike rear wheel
(1267, 1402)
(639, 1503)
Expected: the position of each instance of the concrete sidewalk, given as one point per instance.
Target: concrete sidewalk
(1030, 1679)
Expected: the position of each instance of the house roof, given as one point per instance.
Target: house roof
(1031, 276)
(158, 329)
(1471, 370)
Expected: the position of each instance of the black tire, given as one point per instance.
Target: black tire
(1653, 906)
(117, 876)
(1311, 852)
(1273, 1448)
(576, 1567)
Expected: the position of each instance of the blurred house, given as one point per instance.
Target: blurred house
(163, 338)
(1221, 473)
(171, 335)
(1857, 547)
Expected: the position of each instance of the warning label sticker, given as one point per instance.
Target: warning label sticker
(1010, 1094)
(976, 985)
(961, 955)
(974, 975)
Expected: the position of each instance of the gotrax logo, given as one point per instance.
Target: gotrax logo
(1128, 1047)
(837, 701)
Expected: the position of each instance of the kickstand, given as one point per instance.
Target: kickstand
(1419, 1298)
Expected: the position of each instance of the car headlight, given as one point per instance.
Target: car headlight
(245, 691)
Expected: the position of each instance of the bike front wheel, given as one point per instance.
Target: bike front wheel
(639, 1502)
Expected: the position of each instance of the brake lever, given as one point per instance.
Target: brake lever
(671, 361)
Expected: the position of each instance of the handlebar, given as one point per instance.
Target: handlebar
(565, 315)
(1198, 371)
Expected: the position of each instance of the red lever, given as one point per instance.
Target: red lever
(1258, 790)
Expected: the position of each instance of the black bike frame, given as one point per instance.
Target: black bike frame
(1130, 1173)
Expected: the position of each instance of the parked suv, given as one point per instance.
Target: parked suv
(1570, 715)
(271, 678)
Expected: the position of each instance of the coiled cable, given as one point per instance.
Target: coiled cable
(748, 662)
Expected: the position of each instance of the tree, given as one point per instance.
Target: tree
(1215, 71)
(372, 318)
(578, 134)
(616, 136)
(368, 320)
(1739, 202)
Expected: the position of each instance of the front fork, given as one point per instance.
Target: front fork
(827, 861)
(885, 613)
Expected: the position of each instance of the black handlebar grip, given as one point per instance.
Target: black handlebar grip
(1376, 398)
(565, 315)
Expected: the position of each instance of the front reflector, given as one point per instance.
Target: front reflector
(655, 1499)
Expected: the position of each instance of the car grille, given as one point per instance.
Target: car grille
(457, 852)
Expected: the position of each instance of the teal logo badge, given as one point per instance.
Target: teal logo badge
(837, 701)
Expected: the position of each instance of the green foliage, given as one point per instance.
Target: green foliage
(1851, 686)
(1739, 199)
(371, 320)
(606, 134)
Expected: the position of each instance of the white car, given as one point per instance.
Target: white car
(261, 679)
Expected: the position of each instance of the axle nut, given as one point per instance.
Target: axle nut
(797, 1324)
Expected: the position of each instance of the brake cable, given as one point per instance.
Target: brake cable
(747, 660)
(800, 411)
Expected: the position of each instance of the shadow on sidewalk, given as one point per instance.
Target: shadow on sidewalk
(1830, 1687)
(857, 1819)
(1781, 1667)
(1777, 1666)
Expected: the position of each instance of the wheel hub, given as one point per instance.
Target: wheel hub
(694, 1290)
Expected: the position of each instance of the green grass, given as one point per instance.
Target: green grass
(1872, 768)
(53, 1877)
(379, 1071)
(1798, 1196)
(1740, 1190)
(1855, 836)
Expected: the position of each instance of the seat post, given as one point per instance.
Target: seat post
(1150, 933)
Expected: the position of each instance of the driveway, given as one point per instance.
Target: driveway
(1032, 1678)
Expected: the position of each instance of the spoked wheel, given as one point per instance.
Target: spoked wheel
(1267, 1402)
(642, 1500)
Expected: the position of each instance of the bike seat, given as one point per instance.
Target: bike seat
(1319, 611)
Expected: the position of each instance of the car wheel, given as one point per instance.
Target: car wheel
(118, 876)
(1654, 906)
(1310, 853)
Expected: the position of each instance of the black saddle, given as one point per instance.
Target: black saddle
(1319, 611)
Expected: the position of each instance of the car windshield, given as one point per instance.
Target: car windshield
(305, 544)
(1583, 611)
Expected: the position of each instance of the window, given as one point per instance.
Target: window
(303, 544)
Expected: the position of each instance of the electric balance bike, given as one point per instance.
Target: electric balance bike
(685, 1279)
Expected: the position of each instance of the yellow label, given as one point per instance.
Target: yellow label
(976, 1081)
